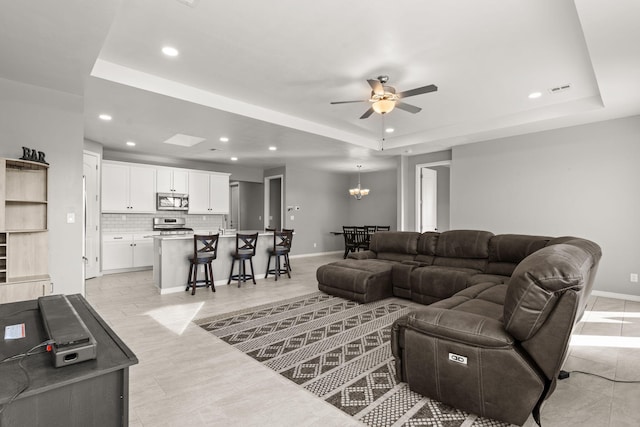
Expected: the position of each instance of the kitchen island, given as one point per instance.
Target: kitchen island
(171, 259)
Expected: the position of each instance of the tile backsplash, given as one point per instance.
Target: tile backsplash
(118, 223)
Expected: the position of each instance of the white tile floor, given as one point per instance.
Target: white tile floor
(187, 377)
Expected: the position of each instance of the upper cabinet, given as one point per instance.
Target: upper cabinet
(208, 193)
(128, 188)
(172, 181)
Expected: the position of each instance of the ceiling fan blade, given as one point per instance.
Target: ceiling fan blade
(348, 102)
(376, 86)
(367, 113)
(418, 91)
(408, 107)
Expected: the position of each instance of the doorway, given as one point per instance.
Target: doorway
(273, 201)
(234, 210)
(432, 196)
(91, 215)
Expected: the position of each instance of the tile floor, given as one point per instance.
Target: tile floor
(187, 377)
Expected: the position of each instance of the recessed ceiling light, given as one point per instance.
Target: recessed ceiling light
(534, 95)
(272, 148)
(224, 139)
(234, 159)
(389, 130)
(131, 143)
(170, 51)
(105, 117)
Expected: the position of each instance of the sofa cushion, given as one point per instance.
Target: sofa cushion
(427, 247)
(433, 283)
(507, 250)
(399, 242)
(463, 249)
(537, 283)
(486, 299)
(487, 278)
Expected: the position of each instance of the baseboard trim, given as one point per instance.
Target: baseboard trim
(316, 254)
(615, 295)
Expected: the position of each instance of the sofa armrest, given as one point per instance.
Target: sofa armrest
(363, 255)
(459, 326)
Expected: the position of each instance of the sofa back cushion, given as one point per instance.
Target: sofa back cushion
(427, 247)
(395, 245)
(506, 251)
(463, 248)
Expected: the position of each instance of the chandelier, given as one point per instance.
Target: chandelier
(358, 192)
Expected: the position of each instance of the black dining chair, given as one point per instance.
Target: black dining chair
(245, 250)
(205, 250)
(383, 227)
(362, 238)
(350, 243)
(281, 248)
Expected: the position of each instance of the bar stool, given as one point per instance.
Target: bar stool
(290, 230)
(245, 250)
(281, 248)
(205, 250)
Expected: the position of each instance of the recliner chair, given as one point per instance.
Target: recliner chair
(496, 349)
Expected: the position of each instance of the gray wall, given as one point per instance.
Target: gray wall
(324, 206)
(275, 203)
(251, 205)
(52, 122)
(379, 207)
(582, 181)
(409, 191)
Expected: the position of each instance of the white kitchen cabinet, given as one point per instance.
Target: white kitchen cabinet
(208, 193)
(120, 251)
(172, 180)
(127, 188)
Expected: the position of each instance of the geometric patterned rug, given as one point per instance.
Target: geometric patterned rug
(338, 350)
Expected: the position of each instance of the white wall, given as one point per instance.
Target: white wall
(582, 181)
(52, 122)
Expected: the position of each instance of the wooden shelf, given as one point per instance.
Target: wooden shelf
(24, 241)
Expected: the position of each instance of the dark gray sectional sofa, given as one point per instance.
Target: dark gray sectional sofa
(497, 317)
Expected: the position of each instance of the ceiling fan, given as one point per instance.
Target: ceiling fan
(384, 98)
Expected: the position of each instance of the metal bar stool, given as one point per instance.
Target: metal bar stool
(281, 248)
(245, 250)
(205, 250)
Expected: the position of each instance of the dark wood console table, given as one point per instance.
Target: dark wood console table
(89, 393)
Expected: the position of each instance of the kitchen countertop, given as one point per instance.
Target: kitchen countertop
(208, 232)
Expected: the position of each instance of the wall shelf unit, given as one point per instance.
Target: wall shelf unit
(24, 240)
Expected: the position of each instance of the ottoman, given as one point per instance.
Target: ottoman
(364, 280)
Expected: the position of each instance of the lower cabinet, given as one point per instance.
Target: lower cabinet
(126, 251)
(24, 290)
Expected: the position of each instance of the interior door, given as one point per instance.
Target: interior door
(91, 216)
(428, 200)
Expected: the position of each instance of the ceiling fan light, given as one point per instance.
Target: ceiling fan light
(383, 106)
(364, 191)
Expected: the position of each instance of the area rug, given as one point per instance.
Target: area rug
(338, 350)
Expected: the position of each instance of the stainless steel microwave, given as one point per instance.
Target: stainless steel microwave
(172, 202)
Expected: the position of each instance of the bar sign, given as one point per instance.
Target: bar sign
(457, 358)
